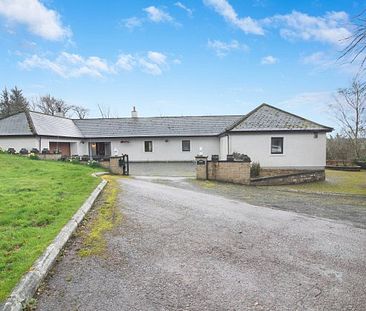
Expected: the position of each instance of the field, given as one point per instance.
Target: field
(37, 198)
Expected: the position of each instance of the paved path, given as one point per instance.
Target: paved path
(178, 249)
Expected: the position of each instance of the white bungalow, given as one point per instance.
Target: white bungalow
(268, 135)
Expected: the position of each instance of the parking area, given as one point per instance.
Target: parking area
(185, 249)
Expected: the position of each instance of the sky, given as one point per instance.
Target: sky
(202, 57)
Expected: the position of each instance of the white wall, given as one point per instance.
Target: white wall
(165, 151)
(301, 150)
(76, 147)
(18, 143)
(223, 147)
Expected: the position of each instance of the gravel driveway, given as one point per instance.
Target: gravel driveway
(179, 249)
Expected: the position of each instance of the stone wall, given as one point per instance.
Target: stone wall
(289, 179)
(114, 166)
(50, 156)
(234, 172)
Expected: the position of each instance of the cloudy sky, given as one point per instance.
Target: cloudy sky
(179, 57)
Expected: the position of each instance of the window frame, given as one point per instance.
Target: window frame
(281, 145)
(148, 143)
(189, 145)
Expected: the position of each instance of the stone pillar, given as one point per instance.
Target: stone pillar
(201, 167)
(114, 166)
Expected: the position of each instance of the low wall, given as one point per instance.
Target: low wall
(234, 172)
(50, 156)
(289, 179)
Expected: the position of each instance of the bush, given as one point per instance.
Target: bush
(74, 160)
(241, 157)
(2, 151)
(93, 163)
(23, 151)
(45, 151)
(11, 150)
(33, 156)
(255, 169)
(34, 150)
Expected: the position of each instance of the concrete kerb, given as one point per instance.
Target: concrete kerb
(29, 283)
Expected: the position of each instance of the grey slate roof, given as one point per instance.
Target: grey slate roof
(263, 118)
(156, 126)
(46, 125)
(15, 125)
(269, 118)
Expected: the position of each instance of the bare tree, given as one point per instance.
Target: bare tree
(349, 109)
(80, 111)
(105, 112)
(50, 105)
(355, 49)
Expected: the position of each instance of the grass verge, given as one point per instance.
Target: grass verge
(37, 198)
(107, 216)
(337, 182)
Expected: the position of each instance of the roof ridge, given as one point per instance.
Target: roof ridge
(160, 117)
(49, 115)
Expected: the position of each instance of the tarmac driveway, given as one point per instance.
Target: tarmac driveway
(179, 249)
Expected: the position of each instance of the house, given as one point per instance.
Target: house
(268, 135)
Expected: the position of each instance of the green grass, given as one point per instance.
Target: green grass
(341, 182)
(37, 198)
(108, 216)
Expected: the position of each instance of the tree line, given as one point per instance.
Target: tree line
(14, 101)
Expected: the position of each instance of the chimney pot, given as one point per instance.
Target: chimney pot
(134, 112)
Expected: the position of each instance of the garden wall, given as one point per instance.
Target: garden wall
(289, 179)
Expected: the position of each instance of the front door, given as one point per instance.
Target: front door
(58, 147)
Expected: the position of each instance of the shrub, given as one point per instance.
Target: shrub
(255, 169)
(2, 151)
(33, 156)
(93, 163)
(45, 151)
(34, 150)
(11, 150)
(23, 151)
(241, 157)
(74, 160)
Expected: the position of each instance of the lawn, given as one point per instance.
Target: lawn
(37, 198)
(336, 182)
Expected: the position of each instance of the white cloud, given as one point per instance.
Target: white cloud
(126, 62)
(39, 20)
(184, 8)
(132, 22)
(269, 60)
(69, 65)
(246, 24)
(157, 57)
(223, 48)
(149, 67)
(157, 15)
(333, 27)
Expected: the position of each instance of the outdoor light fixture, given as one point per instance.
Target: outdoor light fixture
(124, 141)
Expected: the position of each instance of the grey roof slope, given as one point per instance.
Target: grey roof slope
(16, 124)
(156, 126)
(269, 118)
(46, 125)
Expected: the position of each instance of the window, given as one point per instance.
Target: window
(148, 146)
(186, 145)
(276, 145)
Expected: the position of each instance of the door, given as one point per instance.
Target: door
(63, 148)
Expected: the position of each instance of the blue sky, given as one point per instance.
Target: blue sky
(179, 57)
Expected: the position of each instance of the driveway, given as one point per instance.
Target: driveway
(179, 249)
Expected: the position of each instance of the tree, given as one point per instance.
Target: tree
(50, 105)
(4, 103)
(80, 111)
(105, 112)
(349, 110)
(356, 42)
(13, 102)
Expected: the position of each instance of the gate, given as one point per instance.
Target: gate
(124, 164)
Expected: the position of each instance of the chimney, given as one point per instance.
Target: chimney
(59, 112)
(134, 112)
